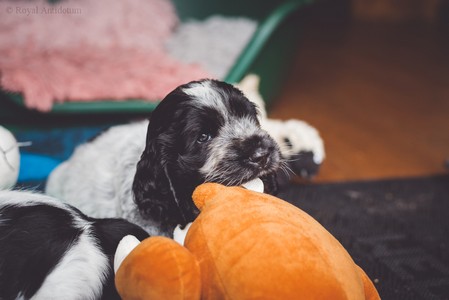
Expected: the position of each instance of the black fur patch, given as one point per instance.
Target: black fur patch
(33, 240)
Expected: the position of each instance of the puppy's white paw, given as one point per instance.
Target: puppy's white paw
(294, 137)
(304, 138)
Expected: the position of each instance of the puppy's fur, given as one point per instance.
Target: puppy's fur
(50, 250)
(204, 131)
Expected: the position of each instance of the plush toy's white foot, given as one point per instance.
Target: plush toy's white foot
(126, 245)
(179, 235)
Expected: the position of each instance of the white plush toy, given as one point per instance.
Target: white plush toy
(300, 144)
(9, 159)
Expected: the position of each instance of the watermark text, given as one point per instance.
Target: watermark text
(43, 10)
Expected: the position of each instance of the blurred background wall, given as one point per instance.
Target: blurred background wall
(373, 77)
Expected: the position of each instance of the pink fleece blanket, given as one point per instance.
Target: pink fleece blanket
(81, 50)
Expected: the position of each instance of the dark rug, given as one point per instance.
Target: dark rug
(396, 230)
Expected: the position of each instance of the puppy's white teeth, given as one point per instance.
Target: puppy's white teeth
(255, 185)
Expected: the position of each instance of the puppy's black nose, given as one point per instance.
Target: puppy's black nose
(260, 157)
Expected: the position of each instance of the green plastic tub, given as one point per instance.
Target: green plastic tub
(268, 54)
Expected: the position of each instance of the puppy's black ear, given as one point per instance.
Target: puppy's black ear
(152, 189)
(154, 192)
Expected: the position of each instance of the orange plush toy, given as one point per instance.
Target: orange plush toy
(243, 245)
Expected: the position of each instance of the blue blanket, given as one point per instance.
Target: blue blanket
(48, 149)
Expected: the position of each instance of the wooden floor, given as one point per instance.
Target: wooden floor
(378, 94)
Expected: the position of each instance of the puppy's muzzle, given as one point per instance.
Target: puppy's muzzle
(260, 158)
(261, 151)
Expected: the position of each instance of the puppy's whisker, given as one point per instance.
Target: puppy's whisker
(217, 174)
(214, 175)
(286, 169)
(293, 159)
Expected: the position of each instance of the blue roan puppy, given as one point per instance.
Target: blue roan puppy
(50, 250)
(203, 131)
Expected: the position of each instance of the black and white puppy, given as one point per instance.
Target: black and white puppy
(203, 131)
(50, 250)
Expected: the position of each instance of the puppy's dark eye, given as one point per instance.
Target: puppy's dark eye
(204, 137)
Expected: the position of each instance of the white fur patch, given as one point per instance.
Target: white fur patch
(108, 163)
(21, 199)
(79, 275)
(205, 95)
